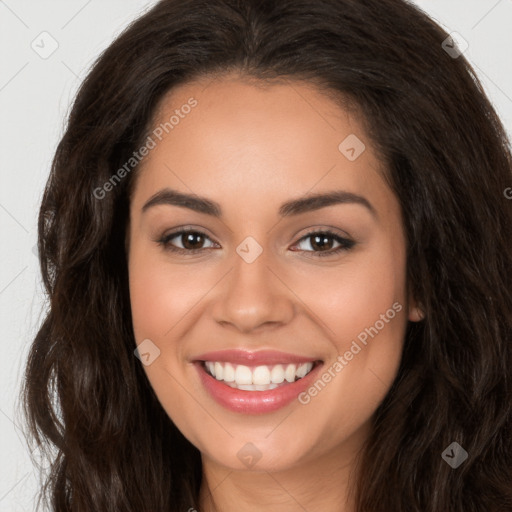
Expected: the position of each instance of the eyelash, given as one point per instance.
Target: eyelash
(345, 243)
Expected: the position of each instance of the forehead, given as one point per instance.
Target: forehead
(236, 137)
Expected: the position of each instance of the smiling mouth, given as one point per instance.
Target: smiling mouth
(257, 378)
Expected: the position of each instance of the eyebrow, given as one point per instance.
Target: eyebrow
(305, 204)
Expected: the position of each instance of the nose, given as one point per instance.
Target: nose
(253, 296)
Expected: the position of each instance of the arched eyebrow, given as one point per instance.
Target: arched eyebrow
(289, 208)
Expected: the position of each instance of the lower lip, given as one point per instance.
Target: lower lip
(255, 402)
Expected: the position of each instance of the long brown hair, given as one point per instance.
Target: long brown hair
(86, 397)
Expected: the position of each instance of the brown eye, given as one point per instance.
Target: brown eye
(191, 241)
(322, 243)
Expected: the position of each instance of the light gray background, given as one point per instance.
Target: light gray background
(35, 95)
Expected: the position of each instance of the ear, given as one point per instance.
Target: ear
(416, 313)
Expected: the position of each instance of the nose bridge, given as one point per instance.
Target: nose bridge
(252, 294)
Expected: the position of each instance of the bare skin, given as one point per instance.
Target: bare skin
(250, 149)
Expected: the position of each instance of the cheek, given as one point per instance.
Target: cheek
(160, 295)
(353, 296)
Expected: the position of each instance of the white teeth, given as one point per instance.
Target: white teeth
(261, 375)
(265, 387)
(277, 374)
(229, 372)
(254, 387)
(243, 375)
(219, 371)
(289, 373)
(259, 378)
(246, 387)
(303, 370)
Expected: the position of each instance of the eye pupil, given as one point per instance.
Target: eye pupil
(321, 241)
(188, 240)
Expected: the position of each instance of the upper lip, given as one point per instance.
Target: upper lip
(248, 358)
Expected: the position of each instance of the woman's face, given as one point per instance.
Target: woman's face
(266, 295)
